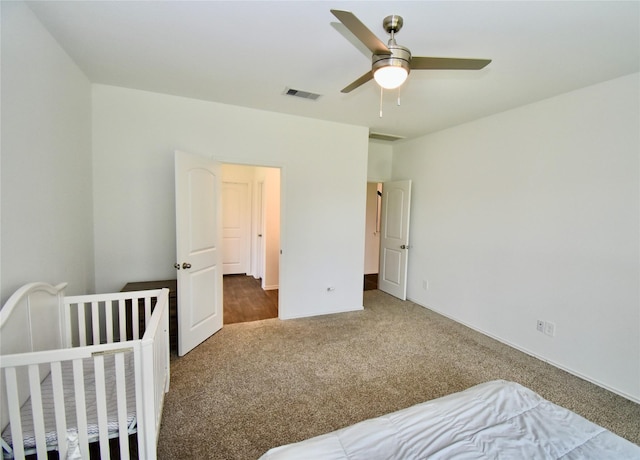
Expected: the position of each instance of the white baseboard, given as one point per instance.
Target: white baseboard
(330, 312)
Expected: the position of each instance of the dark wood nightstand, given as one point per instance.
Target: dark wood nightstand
(172, 285)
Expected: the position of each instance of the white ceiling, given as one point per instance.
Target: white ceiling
(246, 53)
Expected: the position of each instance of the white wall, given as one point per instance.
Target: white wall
(534, 214)
(46, 159)
(379, 163)
(324, 168)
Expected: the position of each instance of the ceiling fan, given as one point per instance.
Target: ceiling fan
(391, 63)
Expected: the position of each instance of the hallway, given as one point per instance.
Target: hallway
(245, 300)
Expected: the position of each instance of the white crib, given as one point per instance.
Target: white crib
(82, 369)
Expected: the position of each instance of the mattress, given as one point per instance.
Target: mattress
(496, 419)
(70, 407)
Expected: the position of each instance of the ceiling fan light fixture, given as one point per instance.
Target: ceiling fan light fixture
(390, 77)
(391, 71)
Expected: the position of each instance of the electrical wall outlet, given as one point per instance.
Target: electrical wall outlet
(549, 328)
(540, 325)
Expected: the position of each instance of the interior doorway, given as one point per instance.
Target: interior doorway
(372, 235)
(245, 300)
(251, 242)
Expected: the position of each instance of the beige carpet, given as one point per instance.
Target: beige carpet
(253, 386)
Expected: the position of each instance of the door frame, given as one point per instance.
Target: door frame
(372, 233)
(258, 256)
(254, 228)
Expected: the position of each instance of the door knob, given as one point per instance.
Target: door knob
(176, 266)
(404, 246)
(186, 265)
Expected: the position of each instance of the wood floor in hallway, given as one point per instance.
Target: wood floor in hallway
(244, 300)
(370, 282)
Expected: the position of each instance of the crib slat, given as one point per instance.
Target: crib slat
(108, 311)
(121, 392)
(140, 414)
(122, 320)
(81, 407)
(82, 321)
(36, 410)
(95, 322)
(135, 326)
(14, 411)
(68, 332)
(147, 312)
(58, 404)
(101, 405)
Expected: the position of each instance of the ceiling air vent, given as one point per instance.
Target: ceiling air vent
(302, 94)
(384, 137)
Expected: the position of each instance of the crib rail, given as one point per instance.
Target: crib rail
(108, 318)
(53, 396)
(120, 335)
(132, 315)
(155, 344)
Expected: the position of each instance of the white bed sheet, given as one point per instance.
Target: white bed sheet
(496, 419)
(70, 408)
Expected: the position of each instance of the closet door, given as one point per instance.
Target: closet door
(236, 227)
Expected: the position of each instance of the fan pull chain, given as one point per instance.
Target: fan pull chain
(399, 95)
(381, 91)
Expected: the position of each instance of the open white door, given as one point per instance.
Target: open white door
(394, 238)
(199, 254)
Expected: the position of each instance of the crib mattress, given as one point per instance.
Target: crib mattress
(29, 439)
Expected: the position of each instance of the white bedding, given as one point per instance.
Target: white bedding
(495, 419)
(70, 409)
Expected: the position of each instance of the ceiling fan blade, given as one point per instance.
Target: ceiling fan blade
(433, 63)
(360, 81)
(362, 33)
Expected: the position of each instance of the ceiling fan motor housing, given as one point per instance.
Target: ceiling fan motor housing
(399, 57)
